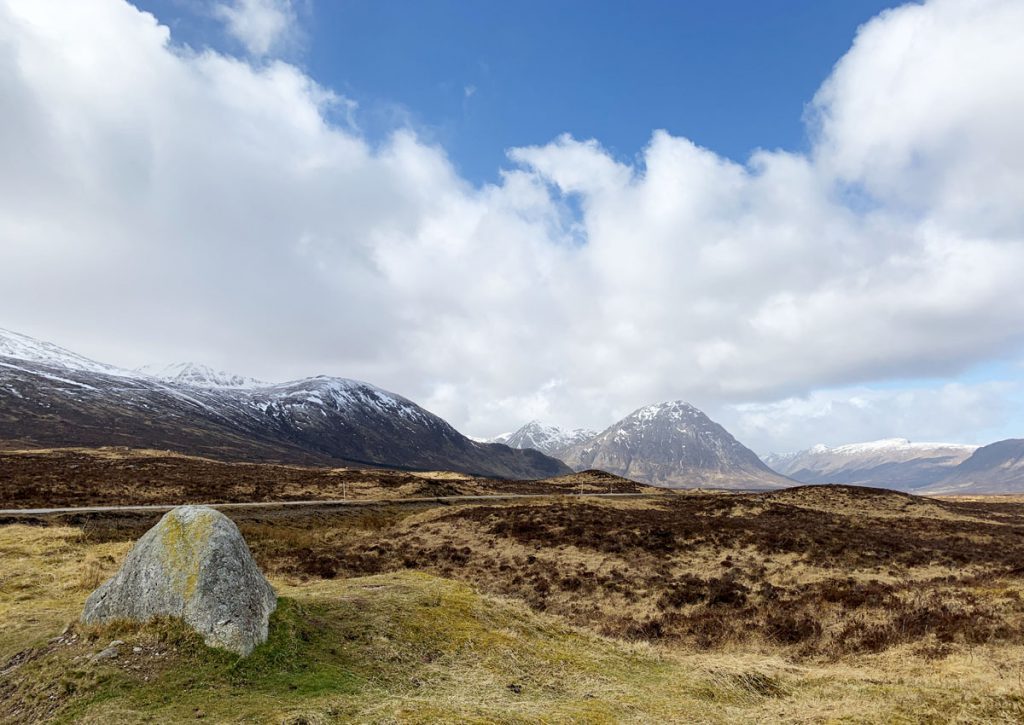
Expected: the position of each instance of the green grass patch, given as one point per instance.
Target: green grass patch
(407, 644)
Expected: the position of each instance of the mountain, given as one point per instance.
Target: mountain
(52, 397)
(995, 468)
(198, 376)
(23, 348)
(891, 463)
(547, 439)
(676, 446)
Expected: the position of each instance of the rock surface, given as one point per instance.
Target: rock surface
(195, 565)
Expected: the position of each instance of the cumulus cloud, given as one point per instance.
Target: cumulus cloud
(261, 26)
(921, 112)
(158, 203)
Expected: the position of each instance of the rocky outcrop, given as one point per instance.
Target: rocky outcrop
(194, 565)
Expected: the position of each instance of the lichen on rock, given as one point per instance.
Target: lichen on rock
(195, 565)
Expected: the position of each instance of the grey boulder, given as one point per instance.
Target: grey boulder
(194, 565)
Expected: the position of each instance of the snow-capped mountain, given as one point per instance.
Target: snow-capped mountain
(673, 445)
(52, 397)
(547, 439)
(890, 463)
(15, 346)
(198, 376)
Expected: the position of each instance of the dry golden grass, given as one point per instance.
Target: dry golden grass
(45, 573)
(409, 647)
(986, 498)
(796, 574)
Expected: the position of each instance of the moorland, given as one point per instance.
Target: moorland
(810, 604)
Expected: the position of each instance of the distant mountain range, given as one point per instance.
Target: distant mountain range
(544, 438)
(671, 444)
(995, 468)
(676, 445)
(198, 376)
(53, 397)
(916, 467)
(892, 463)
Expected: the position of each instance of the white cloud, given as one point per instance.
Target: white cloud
(158, 204)
(262, 26)
(923, 110)
(976, 413)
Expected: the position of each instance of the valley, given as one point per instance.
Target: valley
(497, 363)
(655, 571)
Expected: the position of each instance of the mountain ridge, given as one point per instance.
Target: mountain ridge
(992, 469)
(199, 376)
(55, 398)
(888, 463)
(548, 439)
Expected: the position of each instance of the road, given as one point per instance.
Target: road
(335, 503)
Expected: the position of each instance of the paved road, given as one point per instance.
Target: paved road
(335, 503)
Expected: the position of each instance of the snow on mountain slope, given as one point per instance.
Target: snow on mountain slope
(889, 463)
(544, 438)
(336, 395)
(22, 347)
(673, 445)
(51, 397)
(198, 376)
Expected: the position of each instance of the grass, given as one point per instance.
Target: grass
(404, 646)
(792, 575)
(407, 646)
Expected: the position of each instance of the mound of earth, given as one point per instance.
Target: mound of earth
(594, 481)
(852, 500)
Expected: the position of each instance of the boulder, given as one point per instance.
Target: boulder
(195, 565)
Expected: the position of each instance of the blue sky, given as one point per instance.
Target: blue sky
(536, 210)
(481, 77)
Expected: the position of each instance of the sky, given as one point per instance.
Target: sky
(806, 218)
(479, 78)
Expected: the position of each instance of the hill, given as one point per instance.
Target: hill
(75, 477)
(995, 468)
